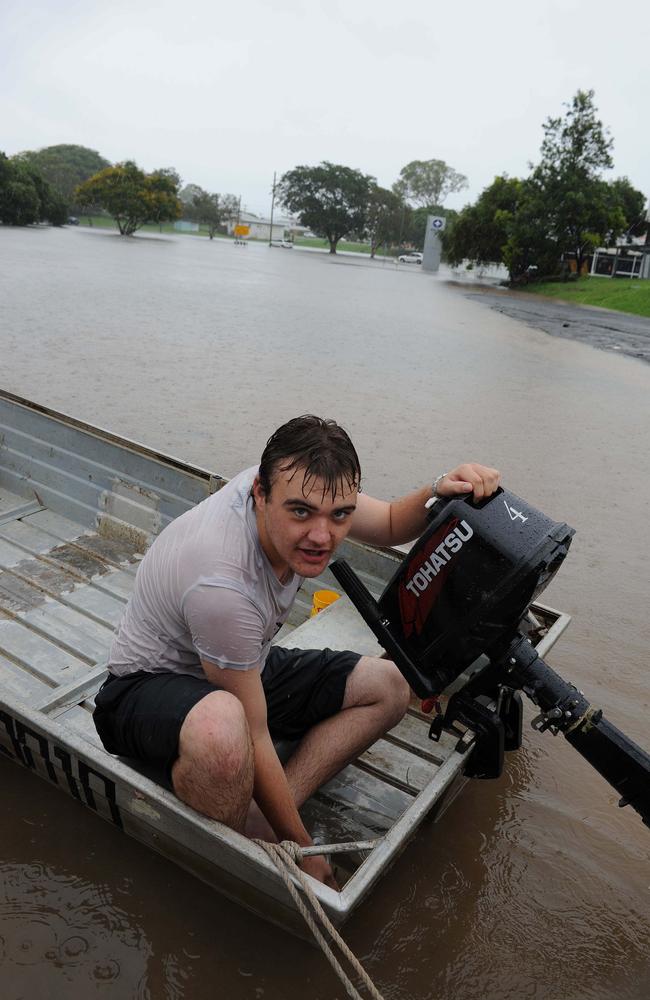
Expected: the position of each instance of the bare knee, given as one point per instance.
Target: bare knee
(214, 769)
(398, 692)
(378, 682)
(215, 736)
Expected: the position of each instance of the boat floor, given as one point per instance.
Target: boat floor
(63, 589)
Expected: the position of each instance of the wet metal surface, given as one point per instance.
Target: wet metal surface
(532, 886)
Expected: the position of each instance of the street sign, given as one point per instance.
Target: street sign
(432, 243)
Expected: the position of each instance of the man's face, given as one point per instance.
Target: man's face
(299, 530)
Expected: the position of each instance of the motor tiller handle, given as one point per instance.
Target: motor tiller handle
(371, 613)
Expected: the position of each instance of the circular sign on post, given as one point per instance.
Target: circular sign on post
(433, 243)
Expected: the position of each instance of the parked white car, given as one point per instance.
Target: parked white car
(413, 257)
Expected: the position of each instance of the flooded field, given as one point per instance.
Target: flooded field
(532, 886)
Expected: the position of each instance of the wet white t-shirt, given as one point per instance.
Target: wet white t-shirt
(204, 590)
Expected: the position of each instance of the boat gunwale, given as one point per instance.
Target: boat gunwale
(101, 432)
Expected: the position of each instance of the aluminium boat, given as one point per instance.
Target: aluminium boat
(78, 508)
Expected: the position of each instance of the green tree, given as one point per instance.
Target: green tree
(133, 197)
(384, 218)
(426, 183)
(480, 231)
(210, 210)
(579, 207)
(530, 244)
(578, 142)
(26, 197)
(507, 224)
(19, 201)
(186, 197)
(65, 167)
(52, 206)
(162, 187)
(332, 200)
(632, 203)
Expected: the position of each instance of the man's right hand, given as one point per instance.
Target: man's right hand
(316, 866)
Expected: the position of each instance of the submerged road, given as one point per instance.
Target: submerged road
(603, 328)
(532, 886)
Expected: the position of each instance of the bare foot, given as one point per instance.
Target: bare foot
(257, 826)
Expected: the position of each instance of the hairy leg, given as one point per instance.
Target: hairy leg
(376, 698)
(214, 769)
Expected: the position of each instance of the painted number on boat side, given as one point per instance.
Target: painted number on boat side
(34, 751)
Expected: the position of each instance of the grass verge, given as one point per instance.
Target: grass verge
(629, 295)
(302, 241)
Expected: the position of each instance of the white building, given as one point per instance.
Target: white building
(259, 228)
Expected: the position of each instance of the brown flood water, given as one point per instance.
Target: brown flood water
(536, 885)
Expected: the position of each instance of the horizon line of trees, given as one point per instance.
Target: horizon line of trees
(76, 180)
(564, 206)
(335, 201)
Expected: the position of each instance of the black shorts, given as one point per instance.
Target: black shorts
(141, 715)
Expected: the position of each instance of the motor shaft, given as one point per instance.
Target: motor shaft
(565, 710)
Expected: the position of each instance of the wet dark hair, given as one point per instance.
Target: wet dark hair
(321, 448)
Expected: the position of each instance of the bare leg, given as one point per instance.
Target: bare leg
(376, 698)
(214, 769)
(257, 826)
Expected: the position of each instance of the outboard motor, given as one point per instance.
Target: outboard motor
(451, 619)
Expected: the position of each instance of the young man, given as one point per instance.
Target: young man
(195, 683)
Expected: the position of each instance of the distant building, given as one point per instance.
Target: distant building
(626, 260)
(259, 228)
(295, 228)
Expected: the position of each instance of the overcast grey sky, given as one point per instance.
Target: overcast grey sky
(229, 92)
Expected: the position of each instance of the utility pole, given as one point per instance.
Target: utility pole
(237, 239)
(272, 206)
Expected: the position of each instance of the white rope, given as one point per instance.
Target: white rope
(285, 856)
